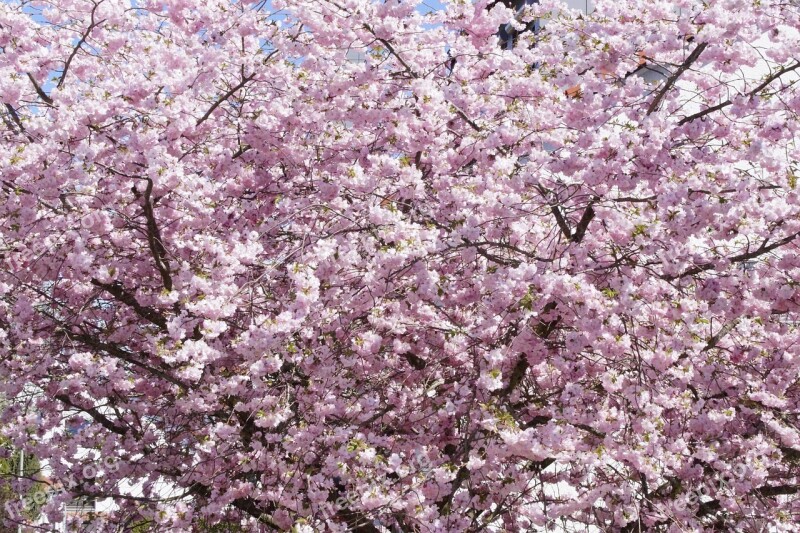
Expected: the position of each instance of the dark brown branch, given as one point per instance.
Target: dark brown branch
(712, 506)
(536, 421)
(413, 74)
(92, 26)
(241, 151)
(18, 121)
(43, 95)
(763, 249)
(415, 361)
(392, 51)
(154, 239)
(778, 490)
(538, 466)
(496, 259)
(95, 414)
(714, 340)
(8, 124)
(446, 503)
(556, 210)
(726, 103)
(117, 290)
(126, 356)
(224, 97)
(248, 505)
(583, 224)
(543, 330)
(478, 244)
(561, 221)
(677, 74)
(15, 117)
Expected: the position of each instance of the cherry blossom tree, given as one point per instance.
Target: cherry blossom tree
(446, 286)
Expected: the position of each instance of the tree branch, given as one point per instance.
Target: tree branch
(583, 224)
(543, 330)
(117, 290)
(224, 97)
(555, 209)
(154, 239)
(677, 74)
(726, 103)
(95, 414)
(92, 26)
(126, 356)
(43, 95)
(763, 249)
(413, 74)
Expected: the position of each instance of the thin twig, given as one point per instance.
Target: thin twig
(726, 103)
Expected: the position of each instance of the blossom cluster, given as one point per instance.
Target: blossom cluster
(15, 510)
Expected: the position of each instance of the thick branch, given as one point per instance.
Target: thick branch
(677, 74)
(778, 490)
(543, 330)
(714, 340)
(95, 414)
(117, 290)
(415, 361)
(154, 239)
(583, 224)
(477, 244)
(15, 117)
(561, 221)
(445, 505)
(18, 121)
(556, 210)
(43, 95)
(224, 97)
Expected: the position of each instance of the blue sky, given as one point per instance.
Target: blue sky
(426, 6)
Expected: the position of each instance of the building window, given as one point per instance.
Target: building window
(75, 424)
(506, 33)
(81, 505)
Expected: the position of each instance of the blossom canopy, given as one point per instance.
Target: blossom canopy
(350, 265)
